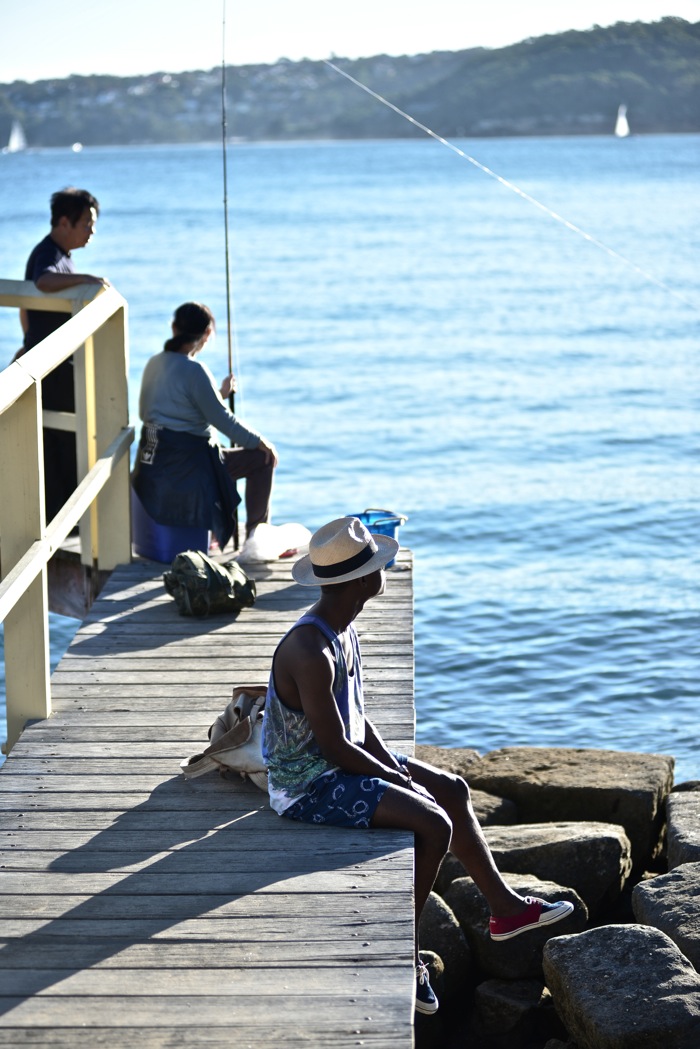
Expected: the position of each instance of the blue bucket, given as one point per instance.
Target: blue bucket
(382, 522)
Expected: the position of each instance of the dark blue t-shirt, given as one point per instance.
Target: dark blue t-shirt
(49, 257)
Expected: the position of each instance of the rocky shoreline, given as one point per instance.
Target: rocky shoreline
(610, 832)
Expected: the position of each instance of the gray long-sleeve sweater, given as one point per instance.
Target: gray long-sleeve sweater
(180, 393)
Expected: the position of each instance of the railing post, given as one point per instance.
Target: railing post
(27, 660)
(112, 510)
(84, 434)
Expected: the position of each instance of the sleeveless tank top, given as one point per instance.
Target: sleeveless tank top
(292, 755)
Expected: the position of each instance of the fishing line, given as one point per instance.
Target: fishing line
(516, 189)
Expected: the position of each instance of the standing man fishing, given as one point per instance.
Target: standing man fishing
(328, 764)
(73, 217)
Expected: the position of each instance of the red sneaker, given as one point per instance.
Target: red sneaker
(537, 913)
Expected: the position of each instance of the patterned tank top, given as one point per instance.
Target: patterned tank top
(292, 755)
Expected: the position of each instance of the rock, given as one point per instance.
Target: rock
(521, 957)
(440, 932)
(502, 1004)
(683, 828)
(592, 858)
(490, 810)
(624, 987)
(671, 903)
(558, 784)
(450, 868)
(688, 784)
(519, 1011)
(451, 759)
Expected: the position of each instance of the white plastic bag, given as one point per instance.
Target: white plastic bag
(268, 542)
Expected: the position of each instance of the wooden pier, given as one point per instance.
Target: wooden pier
(138, 909)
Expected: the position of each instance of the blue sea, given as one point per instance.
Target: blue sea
(415, 336)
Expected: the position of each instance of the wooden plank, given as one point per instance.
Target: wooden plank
(279, 931)
(72, 853)
(70, 816)
(314, 1035)
(157, 879)
(198, 648)
(50, 802)
(340, 980)
(349, 1007)
(218, 677)
(100, 953)
(218, 693)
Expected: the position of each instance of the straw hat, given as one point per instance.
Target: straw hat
(343, 550)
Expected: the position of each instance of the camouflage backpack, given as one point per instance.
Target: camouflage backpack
(201, 587)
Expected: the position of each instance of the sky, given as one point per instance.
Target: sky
(47, 39)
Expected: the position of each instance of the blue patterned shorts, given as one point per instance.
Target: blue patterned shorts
(341, 799)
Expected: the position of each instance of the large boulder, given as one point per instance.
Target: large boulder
(492, 811)
(514, 1012)
(450, 869)
(521, 957)
(624, 987)
(592, 858)
(440, 932)
(559, 784)
(457, 760)
(671, 902)
(683, 819)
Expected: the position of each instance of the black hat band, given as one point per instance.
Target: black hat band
(356, 561)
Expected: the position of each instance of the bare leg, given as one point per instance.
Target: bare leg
(468, 842)
(405, 810)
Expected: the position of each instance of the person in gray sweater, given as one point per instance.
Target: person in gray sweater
(183, 476)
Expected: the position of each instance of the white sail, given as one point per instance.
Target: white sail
(622, 128)
(17, 140)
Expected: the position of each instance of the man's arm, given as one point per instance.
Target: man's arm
(375, 745)
(52, 282)
(204, 393)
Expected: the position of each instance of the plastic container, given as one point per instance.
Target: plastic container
(382, 522)
(162, 542)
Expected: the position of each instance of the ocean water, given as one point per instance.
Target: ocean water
(413, 335)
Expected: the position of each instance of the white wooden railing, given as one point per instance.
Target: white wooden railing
(96, 336)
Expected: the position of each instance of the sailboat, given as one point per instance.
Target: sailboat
(622, 128)
(17, 140)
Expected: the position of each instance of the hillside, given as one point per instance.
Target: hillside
(570, 83)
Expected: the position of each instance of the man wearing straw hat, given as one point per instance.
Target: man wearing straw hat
(327, 763)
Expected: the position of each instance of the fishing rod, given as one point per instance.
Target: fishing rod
(516, 189)
(229, 311)
(231, 399)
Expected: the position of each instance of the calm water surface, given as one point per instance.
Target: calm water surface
(414, 336)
